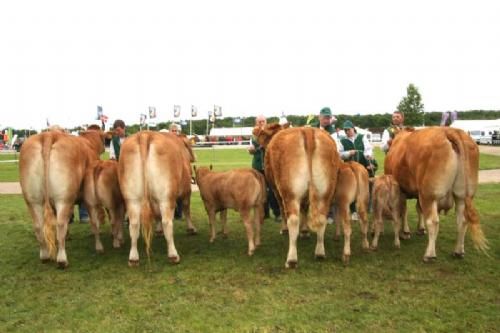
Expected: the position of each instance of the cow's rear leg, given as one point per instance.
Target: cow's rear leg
(429, 210)
(257, 221)
(63, 214)
(186, 211)
(36, 211)
(346, 224)
(247, 222)
(421, 221)
(95, 222)
(117, 215)
(363, 223)
(304, 230)
(378, 224)
(293, 222)
(167, 216)
(134, 213)
(211, 222)
(223, 220)
(461, 228)
(319, 251)
(403, 209)
(396, 223)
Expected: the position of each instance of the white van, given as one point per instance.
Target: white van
(475, 135)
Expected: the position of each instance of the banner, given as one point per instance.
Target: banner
(99, 112)
(194, 111)
(217, 111)
(48, 124)
(152, 112)
(177, 111)
(143, 119)
(444, 118)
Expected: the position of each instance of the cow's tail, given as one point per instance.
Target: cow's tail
(146, 218)
(49, 218)
(313, 221)
(470, 212)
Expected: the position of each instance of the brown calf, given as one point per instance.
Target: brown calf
(101, 190)
(387, 200)
(243, 190)
(352, 186)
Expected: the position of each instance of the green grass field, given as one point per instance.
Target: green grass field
(218, 288)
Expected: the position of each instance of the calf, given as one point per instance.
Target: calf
(101, 190)
(352, 186)
(243, 190)
(387, 200)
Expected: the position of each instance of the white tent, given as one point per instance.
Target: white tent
(475, 125)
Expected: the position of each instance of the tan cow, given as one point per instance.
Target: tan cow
(352, 186)
(430, 163)
(301, 164)
(154, 171)
(101, 190)
(387, 200)
(52, 166)
(243, 190)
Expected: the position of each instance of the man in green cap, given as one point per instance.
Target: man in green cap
(326, 120)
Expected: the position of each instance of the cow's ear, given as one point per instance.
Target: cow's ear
(210, 167)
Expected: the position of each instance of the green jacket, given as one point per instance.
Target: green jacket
(359, 156)
(330, 128)
(115, 141)
(258, 156)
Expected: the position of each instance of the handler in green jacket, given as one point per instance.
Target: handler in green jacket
(117, 139)
(355, 147)
(326, 120)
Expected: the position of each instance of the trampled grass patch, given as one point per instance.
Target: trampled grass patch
(217, 288)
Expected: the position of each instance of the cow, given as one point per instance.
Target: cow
(301, 164)
(387, 200)
(429, 164)
(154, 171)
(52, 166)
(444, 205)
(101, 190)
(352, 186)
(241, 189)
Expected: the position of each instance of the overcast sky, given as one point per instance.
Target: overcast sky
(60, 59)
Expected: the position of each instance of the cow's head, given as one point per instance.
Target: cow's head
(200, 172)
(266, 133)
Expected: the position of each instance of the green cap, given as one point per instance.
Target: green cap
(347, 124)
(325, 112)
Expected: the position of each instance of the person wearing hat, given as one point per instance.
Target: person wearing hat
(355, 147)
(326, 120)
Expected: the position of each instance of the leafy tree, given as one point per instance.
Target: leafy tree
(412, 107)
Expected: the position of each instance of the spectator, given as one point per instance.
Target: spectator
(175, 129)
(258, 164)
(117, 139)
(398, 119)
(326, 121)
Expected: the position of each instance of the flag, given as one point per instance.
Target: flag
(143, 119)
(177, 111)
(211, 116)
(194, 111)
(48, 124)
(217, 111)
(454, 116)
(152, 112)
(99, 112)
(444, 118)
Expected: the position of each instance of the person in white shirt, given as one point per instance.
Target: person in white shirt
(398, 119)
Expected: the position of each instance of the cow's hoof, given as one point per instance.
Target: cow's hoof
(429, 260)
(405, 235)
(62, 264)
(373, 248)
(291, 264)
(421, 232)
(345, 259)
(250, 253)
(117, 245)
(397, 246)
(174, 259)
(457, 255)
(191, 231)
(133, 263)
(320, 257)
(284, 232)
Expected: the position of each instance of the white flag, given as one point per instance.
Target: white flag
(152, 112)
(194, 111)
(143, 119)
(177, 111)
(217, 111)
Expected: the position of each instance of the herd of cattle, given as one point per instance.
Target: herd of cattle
(438, 166)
